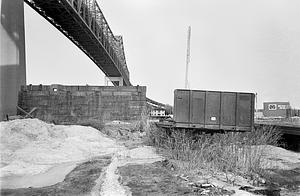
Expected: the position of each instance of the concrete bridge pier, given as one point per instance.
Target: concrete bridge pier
(12, 58)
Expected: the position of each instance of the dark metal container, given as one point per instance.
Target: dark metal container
(214, 110)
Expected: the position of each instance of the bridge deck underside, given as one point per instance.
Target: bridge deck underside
(65, 18)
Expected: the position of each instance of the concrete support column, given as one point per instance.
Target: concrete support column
(12, 55)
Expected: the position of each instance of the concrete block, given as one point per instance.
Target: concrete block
(70, 104)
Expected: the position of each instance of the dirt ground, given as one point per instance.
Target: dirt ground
(79, 181)
(158, 179)
(287, 180)
(148, 179)
(135, 169)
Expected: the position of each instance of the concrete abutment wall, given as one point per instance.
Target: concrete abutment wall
(12, 55)
(73, 104)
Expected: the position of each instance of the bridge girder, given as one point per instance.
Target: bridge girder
(83, 22)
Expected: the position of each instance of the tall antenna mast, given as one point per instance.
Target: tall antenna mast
(188, 58)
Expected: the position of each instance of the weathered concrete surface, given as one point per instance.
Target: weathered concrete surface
(73, 104)
(12, 58)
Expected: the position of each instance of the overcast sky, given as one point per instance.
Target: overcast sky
(236, 45)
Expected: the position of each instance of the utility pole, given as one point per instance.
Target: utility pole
(188, 58)
(256, 109)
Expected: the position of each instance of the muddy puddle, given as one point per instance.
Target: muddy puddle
(79, 181)
(55, 174)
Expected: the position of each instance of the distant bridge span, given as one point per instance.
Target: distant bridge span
(83, 22)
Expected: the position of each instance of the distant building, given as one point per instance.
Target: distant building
(259, 113)
(276, 109)
(156, 113)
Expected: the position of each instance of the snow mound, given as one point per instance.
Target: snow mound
(31, 146)
(280, 158)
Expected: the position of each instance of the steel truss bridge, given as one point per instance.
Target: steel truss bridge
(83, 22)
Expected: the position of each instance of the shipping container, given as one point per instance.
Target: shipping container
(214, 110)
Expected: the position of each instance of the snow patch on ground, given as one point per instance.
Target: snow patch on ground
(141, 155)
(280, 158)
(31, 146)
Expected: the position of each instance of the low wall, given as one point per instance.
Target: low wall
(72, 104)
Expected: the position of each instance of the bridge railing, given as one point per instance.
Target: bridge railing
(91, 13)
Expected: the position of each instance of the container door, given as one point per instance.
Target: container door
(182, 106)
(245, 110)
(197, 104)
(228, 111)
(212, 108)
